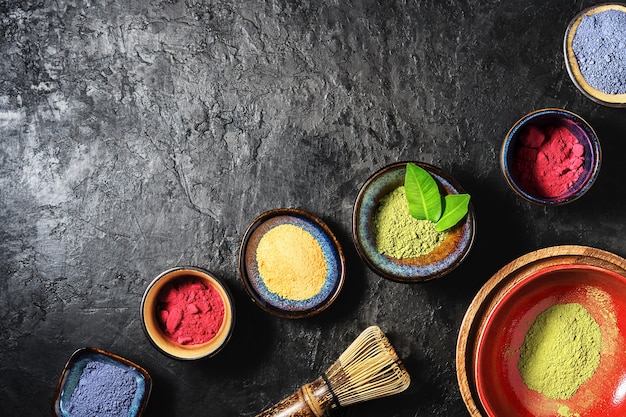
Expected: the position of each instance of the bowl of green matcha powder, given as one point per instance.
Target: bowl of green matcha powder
(412, 222)
(553, 344)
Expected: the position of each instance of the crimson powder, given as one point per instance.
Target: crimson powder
(549, 161)
(190, 311)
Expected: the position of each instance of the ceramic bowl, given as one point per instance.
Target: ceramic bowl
(73, 372)
(267, 295)
(504, 308)
(542, 119)
(572, 64)
(150, 309)
(442, 260)
(501, 390)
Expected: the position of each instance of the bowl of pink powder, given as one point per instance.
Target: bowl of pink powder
(188, 313)
(551, 157)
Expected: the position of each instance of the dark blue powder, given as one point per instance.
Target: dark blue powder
(599, 45)
(103, 390)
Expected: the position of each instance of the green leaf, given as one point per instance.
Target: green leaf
(422, 193)
(456, 207)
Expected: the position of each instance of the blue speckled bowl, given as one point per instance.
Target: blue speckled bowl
(443, 259)
(249, 271)
(73, 371)
(578, 127)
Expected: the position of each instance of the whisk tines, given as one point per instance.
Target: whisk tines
(368, 369)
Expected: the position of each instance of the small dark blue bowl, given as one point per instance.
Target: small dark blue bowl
(72, 373)
(586, 136)
(253, 282)
(442, 260)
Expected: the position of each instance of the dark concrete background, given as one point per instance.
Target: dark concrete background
(138, 136)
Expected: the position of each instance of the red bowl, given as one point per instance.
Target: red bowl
(500, 387)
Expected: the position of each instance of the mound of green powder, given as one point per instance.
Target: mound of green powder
(561, 351)
(398, 234)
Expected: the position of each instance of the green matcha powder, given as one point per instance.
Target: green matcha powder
(398, 234)
(561, 351)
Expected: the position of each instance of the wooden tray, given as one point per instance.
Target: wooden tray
(497, 286)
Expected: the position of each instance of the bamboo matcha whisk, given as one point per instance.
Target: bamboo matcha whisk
(368, 369)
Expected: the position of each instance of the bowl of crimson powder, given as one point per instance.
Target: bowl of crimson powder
(99, 383)
(188, 313)
(551, 157)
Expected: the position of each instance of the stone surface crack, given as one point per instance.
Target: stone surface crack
(179, 173)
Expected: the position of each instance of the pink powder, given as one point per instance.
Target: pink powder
(189, 311)
(549, 161)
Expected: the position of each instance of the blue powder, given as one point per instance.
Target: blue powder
(104, 390)
(599, 45)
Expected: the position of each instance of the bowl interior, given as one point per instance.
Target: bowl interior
(500, 387)
(161, 340)
(571, 62)
(325, 241)
(578, 127)
(443, 259)
(71, 376)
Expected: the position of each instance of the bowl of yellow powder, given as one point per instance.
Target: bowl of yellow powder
(397, 246)
(553, 344)
(291, 263)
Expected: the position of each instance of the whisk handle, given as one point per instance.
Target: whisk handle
(311, 400)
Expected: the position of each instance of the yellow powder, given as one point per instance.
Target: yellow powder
(291, 262)
(564, 411)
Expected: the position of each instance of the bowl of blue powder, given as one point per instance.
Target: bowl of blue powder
(98, 383)
(595, 53)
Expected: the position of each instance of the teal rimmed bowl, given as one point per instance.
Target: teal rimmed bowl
(73, 371)
(443, 259)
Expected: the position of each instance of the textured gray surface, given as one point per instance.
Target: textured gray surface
(137, 136)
